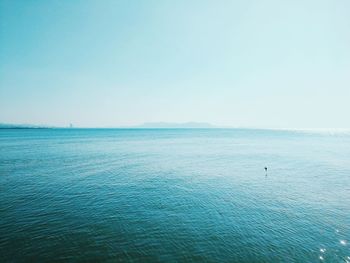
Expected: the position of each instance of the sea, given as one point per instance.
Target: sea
(174, 195)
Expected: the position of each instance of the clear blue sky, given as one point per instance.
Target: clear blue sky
(262, 63)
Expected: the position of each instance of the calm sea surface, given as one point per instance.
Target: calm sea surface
(174, 195)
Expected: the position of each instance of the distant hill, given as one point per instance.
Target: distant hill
(21, 126)
(146, 125)
(169, 125)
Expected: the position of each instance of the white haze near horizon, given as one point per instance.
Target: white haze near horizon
(260, 64)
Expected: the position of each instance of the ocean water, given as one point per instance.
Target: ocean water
(174, 195)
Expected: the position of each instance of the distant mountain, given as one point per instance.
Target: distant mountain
(146, 125)
(21, 126)
(169, 125)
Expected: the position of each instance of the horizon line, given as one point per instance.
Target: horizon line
(140, 127)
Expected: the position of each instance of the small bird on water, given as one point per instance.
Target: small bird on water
(265, 170)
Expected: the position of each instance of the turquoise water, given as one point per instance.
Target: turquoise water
(118, 195)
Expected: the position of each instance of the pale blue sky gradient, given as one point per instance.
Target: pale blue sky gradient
(262, 63)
